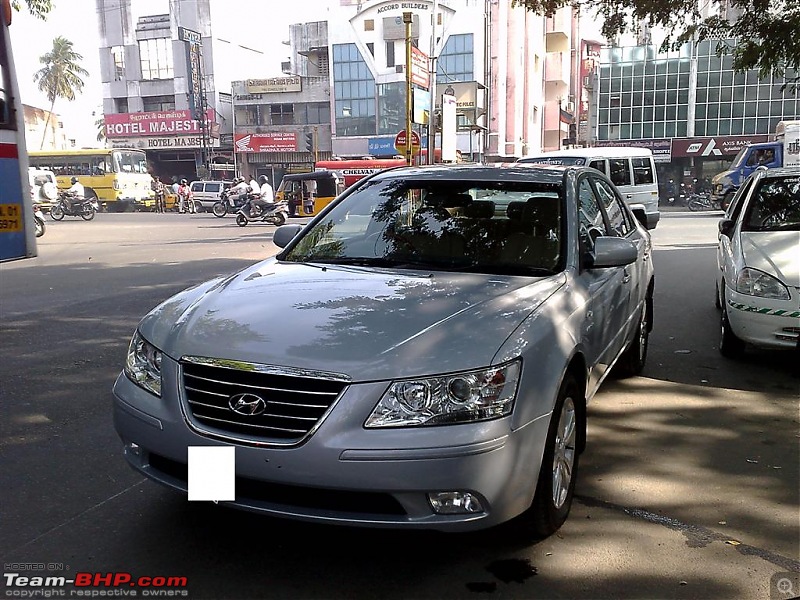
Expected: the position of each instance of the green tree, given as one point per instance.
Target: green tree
(765, 31)
(60, 75)
(38, 8)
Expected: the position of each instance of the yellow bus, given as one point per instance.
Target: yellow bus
(117, 177)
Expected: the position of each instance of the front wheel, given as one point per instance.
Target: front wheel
(730, 344)
(634, 358)
(57, 212)
(241, 220)
(40, 227)
(557, 475)
(88, 213)
(279, 219)
(219, 209)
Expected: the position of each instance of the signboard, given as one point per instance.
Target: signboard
(449, 138)
(381, 146)
(712, 147)
(273, 85)
(420, 74)
(163, 143)
(400, 142)
(194, 70)
(421, 106)
(156, 123)
(280, 141)
(661, 148)
(465, 92)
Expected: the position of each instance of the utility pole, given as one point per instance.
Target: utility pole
(407, 20)
(432, 88)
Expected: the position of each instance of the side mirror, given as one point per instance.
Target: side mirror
(613, 252)
(726, 227)
(285, 234)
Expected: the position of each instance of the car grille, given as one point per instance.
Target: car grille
(790, 334)
(256, 403)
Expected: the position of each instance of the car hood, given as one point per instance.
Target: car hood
(774, 252)
(364, 323)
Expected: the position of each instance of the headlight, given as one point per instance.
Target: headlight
(757, 283)
(143, 364)
(448, 399)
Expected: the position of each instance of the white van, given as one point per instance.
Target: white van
(632, 170)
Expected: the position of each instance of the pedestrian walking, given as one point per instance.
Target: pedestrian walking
(158, 187)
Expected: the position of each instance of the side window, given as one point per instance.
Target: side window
(618, 218)
(642, 171)
(590, 217)
(599, 164)
(212, 188)
(738, 200)
(618, 171)
(197, 187)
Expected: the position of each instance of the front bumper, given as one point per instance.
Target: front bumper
(765, 322)
(344, 473)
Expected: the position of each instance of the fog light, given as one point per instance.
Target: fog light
(454, 503)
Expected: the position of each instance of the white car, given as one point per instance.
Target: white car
(420, 355)
(758, 259)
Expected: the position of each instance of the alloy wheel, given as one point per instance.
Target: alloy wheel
(564, 453)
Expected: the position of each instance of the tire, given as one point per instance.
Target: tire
(57, 212)
(280, 219)
(730, 345)
(556, 485)
(241, 220)
(219, 209)
(49, 191)
(634, 358)
(717, 302)
(88, 213)
(40, 226)
(197, 207)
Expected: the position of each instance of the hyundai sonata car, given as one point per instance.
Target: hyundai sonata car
(758, 260)
(419, 355)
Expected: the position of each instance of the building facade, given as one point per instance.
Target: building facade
(687, 105)
(166, 85)
(44, 130)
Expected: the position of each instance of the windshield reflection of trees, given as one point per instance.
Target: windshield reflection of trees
(776, 206)
(441, 224)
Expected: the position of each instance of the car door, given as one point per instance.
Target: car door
(636, 275)
(606, 290)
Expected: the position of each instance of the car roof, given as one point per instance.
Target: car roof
(537, 173)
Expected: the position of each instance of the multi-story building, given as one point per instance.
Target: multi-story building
(687, 105)
(166, 81)
(44, 130)
(514, 76)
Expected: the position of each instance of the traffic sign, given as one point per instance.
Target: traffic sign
(400, 142)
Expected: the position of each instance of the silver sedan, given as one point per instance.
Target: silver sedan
(419, 355)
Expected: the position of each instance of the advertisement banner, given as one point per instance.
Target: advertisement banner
(164, 143)
(281, 141)
(711, 147)
(273, 85)
(157, 123)
(662, 148)
(419, 68)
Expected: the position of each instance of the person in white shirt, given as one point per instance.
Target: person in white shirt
(266, 198)
(74, 194)
(254, 187)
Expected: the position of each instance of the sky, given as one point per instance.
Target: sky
(76, 20)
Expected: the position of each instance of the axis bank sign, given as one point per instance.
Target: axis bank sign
(153, 124)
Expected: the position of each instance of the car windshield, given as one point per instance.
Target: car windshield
(503, 227)
(775, 206)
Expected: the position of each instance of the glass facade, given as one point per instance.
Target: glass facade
(391, 107)
(354, 92)
(456, 60)
(155, 56)
(644, 94)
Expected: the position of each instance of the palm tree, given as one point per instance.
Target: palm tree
(60, 75)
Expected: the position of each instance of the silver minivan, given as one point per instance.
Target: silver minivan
(206, 193)
(631, 169)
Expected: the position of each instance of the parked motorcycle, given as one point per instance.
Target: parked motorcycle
(702, 201)
(275, 213)
(229, 204)
(38, 220)
(71, 206)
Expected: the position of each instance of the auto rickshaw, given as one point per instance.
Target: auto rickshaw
(307, 194)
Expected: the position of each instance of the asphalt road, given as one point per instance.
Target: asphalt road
(688, 488)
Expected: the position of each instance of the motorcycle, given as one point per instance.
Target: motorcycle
(275, 213)
(38, 220)
(702, 201)
(229, 204)
(72, 206)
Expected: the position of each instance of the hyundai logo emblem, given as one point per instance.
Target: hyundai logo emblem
(248, 405)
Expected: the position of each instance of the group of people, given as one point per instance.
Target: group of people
(261, 191)
(181, 189)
